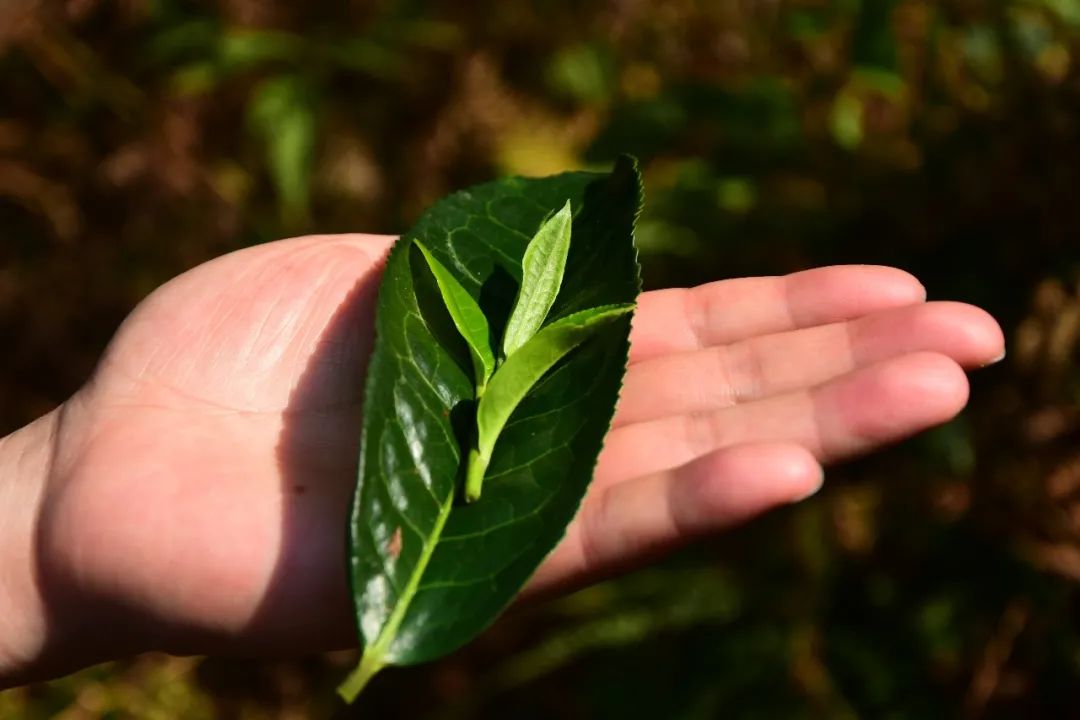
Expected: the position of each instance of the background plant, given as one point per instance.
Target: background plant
(140, 138)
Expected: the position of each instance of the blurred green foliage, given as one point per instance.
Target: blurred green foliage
(140, 138)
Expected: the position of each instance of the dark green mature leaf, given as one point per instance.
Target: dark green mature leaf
(541, 277)
(428, 571)
(468, 318)
(517, 376)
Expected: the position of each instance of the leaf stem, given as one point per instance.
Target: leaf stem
(359, 678)
(474, 474)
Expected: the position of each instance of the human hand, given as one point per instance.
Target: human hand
(198, 487)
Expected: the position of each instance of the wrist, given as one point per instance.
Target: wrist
(26, 458)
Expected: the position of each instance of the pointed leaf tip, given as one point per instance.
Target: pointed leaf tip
(542, 271)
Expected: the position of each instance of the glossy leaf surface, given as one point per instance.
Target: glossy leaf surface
(428, 571)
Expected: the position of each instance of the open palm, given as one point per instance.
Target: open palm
(200, 494)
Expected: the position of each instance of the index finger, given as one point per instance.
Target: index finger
(685, 319)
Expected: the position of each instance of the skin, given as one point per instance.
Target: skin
(192, 496)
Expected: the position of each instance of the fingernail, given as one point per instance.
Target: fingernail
(813, 490)
(996, 360)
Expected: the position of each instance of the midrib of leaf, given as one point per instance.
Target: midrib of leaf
(374, 657)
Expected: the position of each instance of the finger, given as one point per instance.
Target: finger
(685, 319)
(850, 415)
(769, 365)
(627, 523)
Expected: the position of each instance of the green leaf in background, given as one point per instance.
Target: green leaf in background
(873, 42)
(429, 571)
(281, 113)
(241, 48)
(585, 73)
(181, 42)
(517, 376)
(468, 318)
(541, 277)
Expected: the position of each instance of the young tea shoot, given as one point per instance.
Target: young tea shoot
(528, 352)
(520, 372)
(468, 318)
(542, 271)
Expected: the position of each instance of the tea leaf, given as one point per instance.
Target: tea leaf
(428, 571)
(541, 276)
(468, 318)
